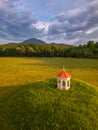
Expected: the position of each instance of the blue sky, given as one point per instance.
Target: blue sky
(61, 21)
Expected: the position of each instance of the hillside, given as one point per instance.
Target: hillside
(34, 40)
(41, 106)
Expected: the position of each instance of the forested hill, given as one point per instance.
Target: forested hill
(90, 50)
(34, 40)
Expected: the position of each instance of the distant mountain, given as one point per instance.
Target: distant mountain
(34, 40)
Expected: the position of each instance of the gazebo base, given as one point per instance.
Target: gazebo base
(63, 87)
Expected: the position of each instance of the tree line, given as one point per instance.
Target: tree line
(89, 50)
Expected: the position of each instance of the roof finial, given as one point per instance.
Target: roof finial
(63, 68)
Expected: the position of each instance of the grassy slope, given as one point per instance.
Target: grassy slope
(40, 106)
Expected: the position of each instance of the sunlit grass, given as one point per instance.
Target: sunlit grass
(19, 71)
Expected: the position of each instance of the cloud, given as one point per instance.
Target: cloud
(76, 23)
(17, 25)
(41, 25)
(58, 21)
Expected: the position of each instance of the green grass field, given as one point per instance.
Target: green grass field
(28, 101)
(20, 71)
(40, 106)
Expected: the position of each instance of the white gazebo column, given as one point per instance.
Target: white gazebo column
(66, 83)
(69, 82)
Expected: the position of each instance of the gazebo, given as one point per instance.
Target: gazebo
(63, 80)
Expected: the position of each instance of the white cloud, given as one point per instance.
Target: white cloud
(89, 31)
(74, 12)
(41, 25)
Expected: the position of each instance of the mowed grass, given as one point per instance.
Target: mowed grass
(40, 106)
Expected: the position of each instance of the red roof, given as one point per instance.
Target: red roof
(63, 74)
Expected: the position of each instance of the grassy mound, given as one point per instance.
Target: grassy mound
(40, 106)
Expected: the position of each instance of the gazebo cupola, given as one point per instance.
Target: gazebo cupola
(63, 80)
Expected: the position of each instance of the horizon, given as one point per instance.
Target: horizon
(54, 21)
(11, 42)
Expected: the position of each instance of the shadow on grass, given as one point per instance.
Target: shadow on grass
(68, 63)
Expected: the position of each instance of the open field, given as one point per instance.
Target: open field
(20, 71)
